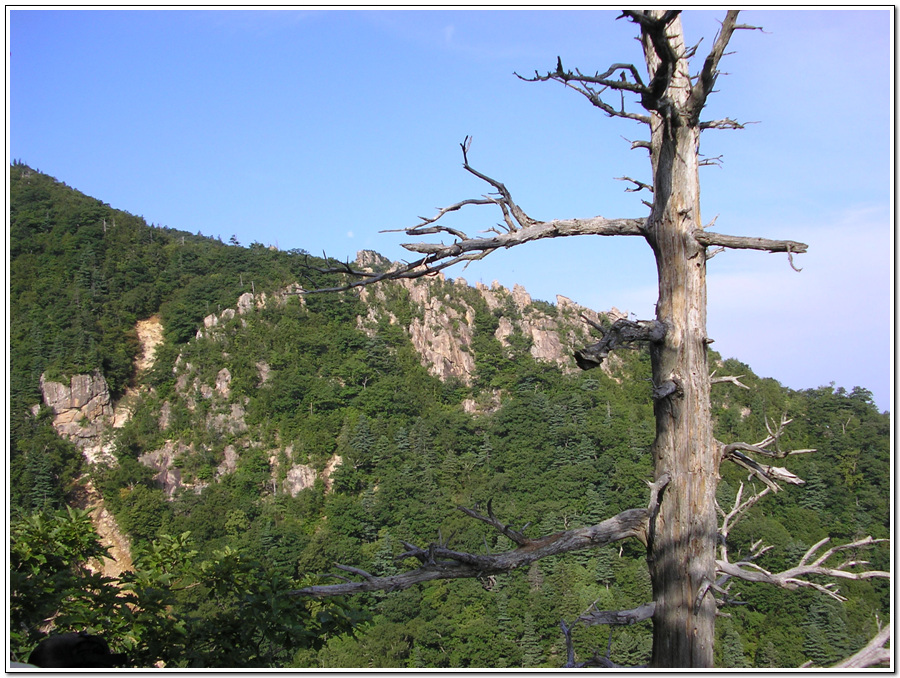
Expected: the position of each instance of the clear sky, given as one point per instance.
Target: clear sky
(316, 129)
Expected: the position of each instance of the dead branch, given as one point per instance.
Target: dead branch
(622, 333)
(515, 536)
(638, 185)
(714, 161)
(618, 617)
(707, 80)
(768, 447)
(590, 618)
(429, 265)
(725, 123)
(738, 511)
(519, 228)
(570, 649)
(593, 86)
(738, 242)
(593, 616)
(774, 438)
(795, 577)
(733, 380)
(873, 654)
(770, 475)
(654, 30)
(710, 72)
(595, 661)
(440, 562)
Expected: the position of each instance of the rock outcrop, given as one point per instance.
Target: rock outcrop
(443, 337)
(303, 476)
(168, 475)
(82, 411)
(299, 477)
(442, 327)
(150, 334)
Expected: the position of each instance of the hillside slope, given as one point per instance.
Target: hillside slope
(300, 431)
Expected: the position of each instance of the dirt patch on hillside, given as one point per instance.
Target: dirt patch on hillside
(111, 536)
(150, 334)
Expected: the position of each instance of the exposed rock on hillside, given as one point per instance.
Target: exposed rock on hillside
(168, 475)
(84, 414)
(223, 416)
(299, 477)
(150, 334)
(303, 476)
(82, 411)
(108, 530)
(443, 325)
(332, 464)
(442, 336)
(229, 463)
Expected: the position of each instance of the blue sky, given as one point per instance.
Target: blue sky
(316, 129)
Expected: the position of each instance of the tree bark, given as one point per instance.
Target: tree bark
(681, 549)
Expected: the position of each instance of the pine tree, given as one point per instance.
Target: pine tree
(827, 639)
(814, 496)
(43, 490)
(383, 559)
(604, 566)
(362, 442)
(530, 643)
(732, 649)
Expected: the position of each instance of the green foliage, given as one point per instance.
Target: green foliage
(49, 555)
(42, 466)
(227, 610)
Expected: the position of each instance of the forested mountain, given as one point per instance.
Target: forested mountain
(231, 440)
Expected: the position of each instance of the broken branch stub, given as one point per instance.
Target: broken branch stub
(618, 617)
(622, 333)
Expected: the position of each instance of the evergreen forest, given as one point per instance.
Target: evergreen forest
(268, 443)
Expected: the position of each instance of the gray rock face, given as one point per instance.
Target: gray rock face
(299, 477)
(82, 411)
(161, 461)
(88, 394)
(443, 337)
(442, 329)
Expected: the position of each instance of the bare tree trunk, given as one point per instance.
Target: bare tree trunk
(681, 551)
(682, 546)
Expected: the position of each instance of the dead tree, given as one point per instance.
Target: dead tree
(679, 528)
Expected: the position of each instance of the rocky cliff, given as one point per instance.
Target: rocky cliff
(444, 322)
(84, 414)
(82, 411)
